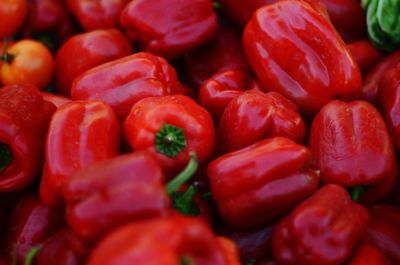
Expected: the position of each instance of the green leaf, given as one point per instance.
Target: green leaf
(185, 202)
(5, 156)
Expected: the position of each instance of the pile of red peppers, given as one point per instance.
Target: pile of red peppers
(199, 132)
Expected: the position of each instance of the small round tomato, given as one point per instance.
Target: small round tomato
(12, 15)
(27, 62)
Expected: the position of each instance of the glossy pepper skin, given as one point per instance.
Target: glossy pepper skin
(123, 82)
(389, 92)
(368, 254)
(113, 192)
(30, 224)
(57, 100)
(371, 81)
(186, 25)
(216, 93)
(230, 250)
(255, 115)
(283, 52)
(62, 248)
(324, 229)
(251, 194)
(351, 144)
(80, 133)
(87, 50)
(150, 121)
(364, 54)
(98, 14)
(24, 119)
(222, 53)
(162, 241)
(383, 230)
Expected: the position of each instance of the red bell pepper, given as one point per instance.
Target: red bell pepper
(224, 52)
(174, 241)
(57, 100)
(113, 192)
(388, 94)
(12, 16)
(298, 53)
(257, 184)
(186, 25)
(348, 18)
(24, 119)
(370, 87)
(123, 82)
(30, 224)
(62, 248)
(85, 51)
(324, 229)
(48, 16)
(364, 54)
(383, 230)
(221, 88)
(254, 245)
(80, 133)
(351, 144)
(98, 14)
(368, 254)
(170, 127)
(230, 251)
(253, 116)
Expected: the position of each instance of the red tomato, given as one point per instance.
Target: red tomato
(27, 62)
(12, 15)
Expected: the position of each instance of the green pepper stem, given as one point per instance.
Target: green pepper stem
(184, 176)
(7, 57)
(5, 156)
(31, 255)
(356, 192)
(216, 5)
(170, 140)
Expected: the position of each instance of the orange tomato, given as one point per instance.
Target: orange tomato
(12, 15)
(27, 62)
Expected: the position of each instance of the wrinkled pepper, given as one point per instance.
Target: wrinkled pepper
(255, 185)
(215, 93)
(298, 53)
(87, 50)
(30, 224)
(80, 133)
(98, 14)
(383, 23)
(170, 127)
(253, 116)
(162, 241)
(186, 25)
(383, 230)
(351, 145)
(123, 82)
(112, 192)
(24, 119)
(324, 229)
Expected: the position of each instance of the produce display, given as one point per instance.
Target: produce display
(199, 132)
